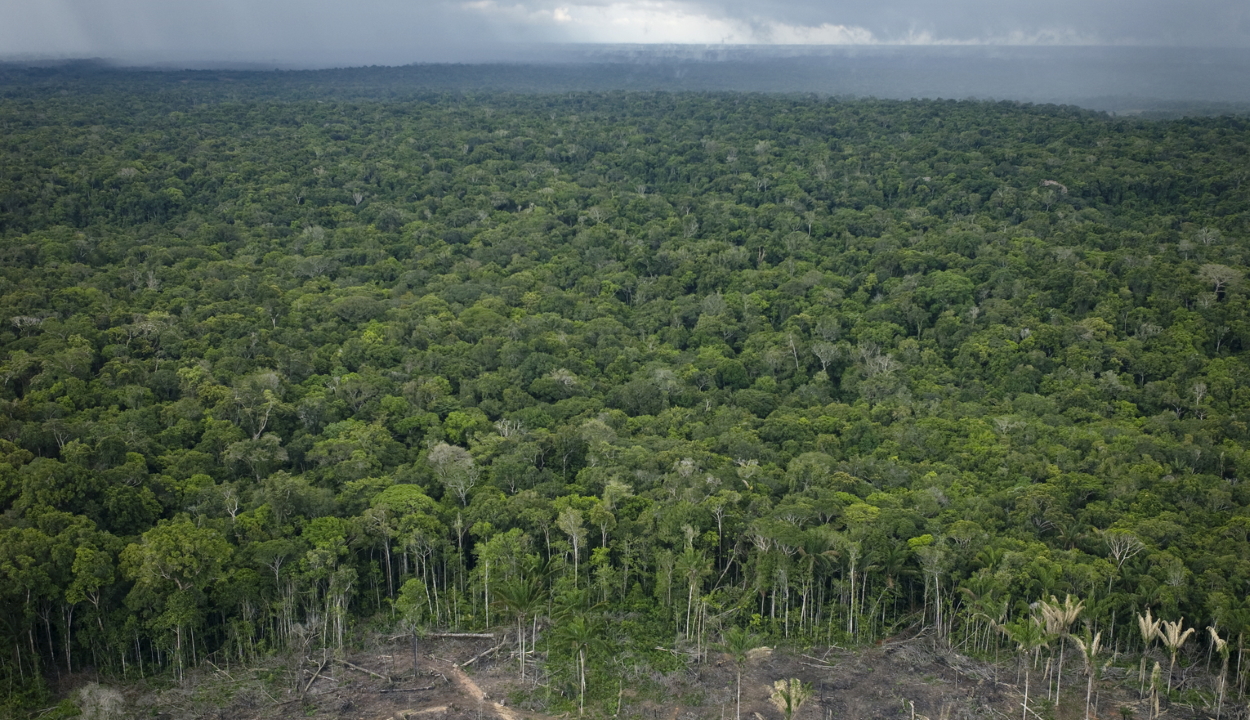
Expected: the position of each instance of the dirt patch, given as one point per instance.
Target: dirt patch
(907, 679)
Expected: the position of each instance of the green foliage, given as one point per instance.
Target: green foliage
(274, 365)
(789, 696)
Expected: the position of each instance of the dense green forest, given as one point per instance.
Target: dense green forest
(612, 372)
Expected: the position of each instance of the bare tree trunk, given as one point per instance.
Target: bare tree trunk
(1219, 703)
(1089, 689)
(689, 605)
(1059, 674)
(738, 715)
(581, 676)
(390, 580)
(415, 671)
(178, 649)
(1240, 678)
(850, 615)
(1024, 715)
(520, 632)
(1046, 674)
(69, 625)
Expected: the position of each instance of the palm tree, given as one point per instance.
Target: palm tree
(1174, 637)
(523, 598)
(1027, 634)
(789, 696)
(1089, 652)
(1221, 646)
(818, 549)
(1149, 628)
(692, 566)
(1058, 619)
(582, 635)
(737, 643)
(891, 559)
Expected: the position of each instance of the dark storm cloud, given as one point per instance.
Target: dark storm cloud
(316, 32)
(341, 32)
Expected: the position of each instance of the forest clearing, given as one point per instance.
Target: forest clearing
(904, 678)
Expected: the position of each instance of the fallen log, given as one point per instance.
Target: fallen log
(405, 714)
(450, 635)
(365, 671)
(324, 661)
(675, 653)
(481, 655)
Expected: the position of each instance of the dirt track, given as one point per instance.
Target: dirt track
(471, 688)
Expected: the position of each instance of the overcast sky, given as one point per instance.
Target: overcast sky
(394, 32)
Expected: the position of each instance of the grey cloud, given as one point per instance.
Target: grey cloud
(341, 32)
(300, 32)
(1144, 22)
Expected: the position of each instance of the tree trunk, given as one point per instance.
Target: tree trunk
(1024, 715)
(414, 654)
(390, 580)
(1219, 703)
(69, 634)
(850, 615)
(178, 649)
(581, 673)
(738, 713)
(689, 606)
(1224, 685)
(1059, 674)
(47, 628)
(520, 633)
(1240, 678)
(1089, 690)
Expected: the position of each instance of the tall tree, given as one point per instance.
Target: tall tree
(522, 597)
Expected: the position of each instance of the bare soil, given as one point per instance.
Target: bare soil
(906, 679)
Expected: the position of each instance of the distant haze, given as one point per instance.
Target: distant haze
(328, 33)
(1161, 81)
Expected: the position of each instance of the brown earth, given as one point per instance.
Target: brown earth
(906, 679)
